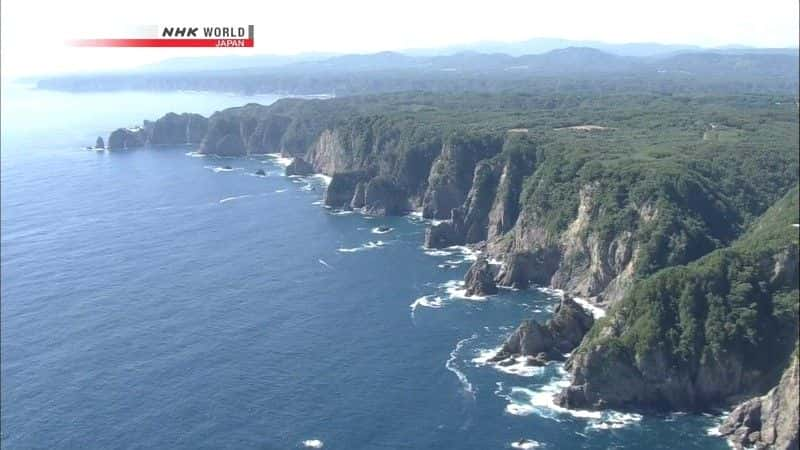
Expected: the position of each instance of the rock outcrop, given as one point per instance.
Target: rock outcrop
(451, 175)
(446, 233)
(177, 129)
(99, 143)
(524, 268)
(124, 138)
(359, 196)
(701, 334)
(479, 279)
(299, 167)
(560, 335)
(224, 138)
(171, 129)
(383, 198)
(770, 421)
(341, 189)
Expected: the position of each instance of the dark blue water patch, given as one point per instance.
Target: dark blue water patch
(152, 299)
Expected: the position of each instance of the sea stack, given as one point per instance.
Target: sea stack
(99, 143)
(479, 279)
(560, 335)
(299, 167)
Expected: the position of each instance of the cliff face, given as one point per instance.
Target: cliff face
(770, 421)
(552, 220)
(698, 335)
(559, 335)
(171, 129)
(453, 172)
(475, 183)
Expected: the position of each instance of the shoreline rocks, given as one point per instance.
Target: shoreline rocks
(341, 189)
(548, 342)
(170, 129)
(479, 279)
(446, 233)
(299, 167)
(770, 421)
(382, 198)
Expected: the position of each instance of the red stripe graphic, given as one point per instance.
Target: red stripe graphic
(230, 42)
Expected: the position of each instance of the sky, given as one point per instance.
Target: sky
(34, 31)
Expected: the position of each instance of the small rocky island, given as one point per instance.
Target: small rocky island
(551, 341)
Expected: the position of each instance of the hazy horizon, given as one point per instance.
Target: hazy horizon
(312, 27)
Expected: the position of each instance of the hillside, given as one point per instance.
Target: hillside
(571, 69)
(698, 335)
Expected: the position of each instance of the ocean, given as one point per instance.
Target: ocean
(154, 299)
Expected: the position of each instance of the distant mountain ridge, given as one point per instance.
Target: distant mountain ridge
(585, 67)
(513, 49)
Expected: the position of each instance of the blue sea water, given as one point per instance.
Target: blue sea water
(151, 299)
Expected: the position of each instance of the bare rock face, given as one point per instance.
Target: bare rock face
(383, 198)
(505, 208)
(479, 201)
(441, 235)
(560, 335)
(604, 377)
(341, 189)
(359, 196)
(178, 129)
(123, 138)
(479, 279)
(524, 268)
(770, 421)
(451, 175)
(99, 143)
(223, 138)
(446, 233)
(300, 167)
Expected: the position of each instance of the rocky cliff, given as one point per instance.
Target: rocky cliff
(558, 336)
(479, 279)
(702, 334)
(553, 217)
(770, 421)
(171, 129)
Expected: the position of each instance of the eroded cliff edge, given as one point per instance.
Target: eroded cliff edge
(769, 421)
(702, 334)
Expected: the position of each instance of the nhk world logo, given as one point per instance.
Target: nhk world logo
(174, 36)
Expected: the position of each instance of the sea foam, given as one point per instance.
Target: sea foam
(237, 197)
(452, 366)
(524, 401)
(525, 444)
(368, 246)
(596, 311)
(280, 159)
(456, 289)
(427, 301)
(517, 365)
